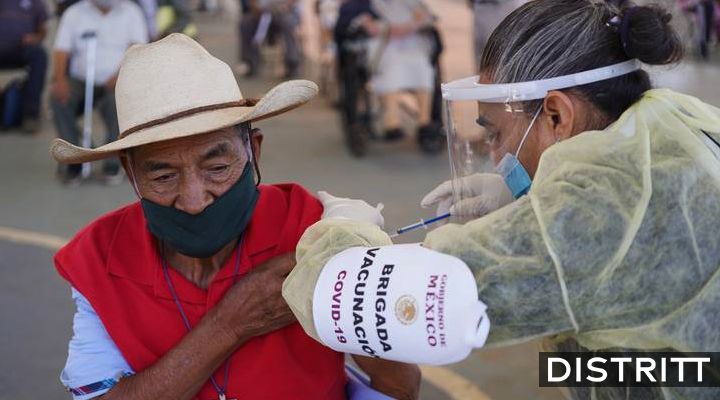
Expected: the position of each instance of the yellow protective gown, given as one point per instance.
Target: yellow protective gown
(617, 244)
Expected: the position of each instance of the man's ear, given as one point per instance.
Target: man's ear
(256, 143)
(559, 115)
(125, 162)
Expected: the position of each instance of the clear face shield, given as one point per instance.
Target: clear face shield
(489, 127)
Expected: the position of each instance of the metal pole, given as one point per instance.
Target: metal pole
(90, 38)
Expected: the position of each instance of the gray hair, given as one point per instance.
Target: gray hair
(244, 131)
(549, 38)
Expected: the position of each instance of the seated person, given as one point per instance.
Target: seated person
(178, 295)
(285, 19)
(173, 16)
(401, 60)
(22, 30)
(327, 14)
(117, 25)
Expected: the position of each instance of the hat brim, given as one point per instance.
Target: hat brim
(282, 98)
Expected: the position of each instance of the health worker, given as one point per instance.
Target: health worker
(598, 229)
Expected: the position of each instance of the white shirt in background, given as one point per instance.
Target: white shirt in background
(123, 26)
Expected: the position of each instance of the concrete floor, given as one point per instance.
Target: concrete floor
(304, 146)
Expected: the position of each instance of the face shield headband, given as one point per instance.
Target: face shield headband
(470, 89)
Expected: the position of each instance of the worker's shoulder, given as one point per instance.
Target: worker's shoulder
(101, 231)
(290, 193)
(289, 205)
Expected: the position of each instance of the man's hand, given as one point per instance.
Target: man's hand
(61, 89)
(485, 193)
(356, 210)
(395, 379)
(254, 306)
(255, 8)
(37, 37)
(368, 23)
(32, 39)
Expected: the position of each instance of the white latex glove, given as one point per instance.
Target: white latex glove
(487, 192)
(356, 210)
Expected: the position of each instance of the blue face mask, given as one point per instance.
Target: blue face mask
(515, 175)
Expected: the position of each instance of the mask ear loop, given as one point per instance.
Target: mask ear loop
(527, 132)
(251, 153)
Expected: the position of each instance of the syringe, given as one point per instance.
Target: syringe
(420, 224)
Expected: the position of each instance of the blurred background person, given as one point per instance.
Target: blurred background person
(118, 24)
(263, 19)
(173, 16)
(211, 6)
(487, 14)
(22, 30)
(400, 56)
(702, 16)
(326, 12)
(404, 60)
(150, 10)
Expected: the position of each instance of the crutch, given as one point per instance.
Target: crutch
(90, 39)
(262, 29)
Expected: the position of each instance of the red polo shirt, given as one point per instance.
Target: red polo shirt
(115, 264)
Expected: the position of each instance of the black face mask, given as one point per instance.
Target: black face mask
(204, 234)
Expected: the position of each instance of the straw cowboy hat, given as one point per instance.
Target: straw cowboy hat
(174, 88)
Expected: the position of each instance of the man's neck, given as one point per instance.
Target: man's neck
(200, 271)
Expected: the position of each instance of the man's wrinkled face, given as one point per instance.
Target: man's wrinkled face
(188, 173)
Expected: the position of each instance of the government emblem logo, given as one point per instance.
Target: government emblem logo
(406, 309)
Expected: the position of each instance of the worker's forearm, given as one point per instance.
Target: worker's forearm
(509, 257)
(182, 371)
(60, 63)
(398, 380)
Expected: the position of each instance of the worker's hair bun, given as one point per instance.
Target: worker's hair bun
(646, 34)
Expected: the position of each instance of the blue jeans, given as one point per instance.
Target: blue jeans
(35, 59)
(65, 114)
(284, 23)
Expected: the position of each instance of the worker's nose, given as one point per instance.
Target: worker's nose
(193, 196)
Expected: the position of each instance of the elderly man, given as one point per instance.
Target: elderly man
(178, 295)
